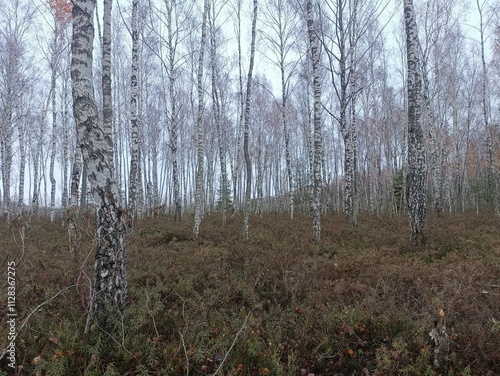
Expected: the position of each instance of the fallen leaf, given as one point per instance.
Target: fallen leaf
(441, 313)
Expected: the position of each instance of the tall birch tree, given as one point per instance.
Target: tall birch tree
(317, 141)
(199, 196)
(282, 23)
(246, 127)
(217, 111)
(134, 179)
(110, 286)
(417, 167)
(490, 151)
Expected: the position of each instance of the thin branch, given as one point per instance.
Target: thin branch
(243, 327)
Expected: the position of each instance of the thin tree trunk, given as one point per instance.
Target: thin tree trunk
(64, 113)
(316, 173)
(433, 144)
(53, 140)
(236, 168)
(246, 128)
(353, 139)
(286, 134)
(216, 108)
(22, 166)
(174, 121)
(73, 213)
(134, 179)
(6, 150)
(198, 214)
(417, 168)
(490, 152)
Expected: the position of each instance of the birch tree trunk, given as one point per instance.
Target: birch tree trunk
(21, 133)
(316, 172)
(281, 20)
(174, 120)
(246, 128)
(433, 142)
(490, 152)
(66, 132)
(417, 168)
(107, 93)
(36, 163)
(198, 214)
(134, 179)
(110, 287)
(73, 213)
(353, 157)
(54, 131)
(6, 157)
(216, 108)
(237, 157)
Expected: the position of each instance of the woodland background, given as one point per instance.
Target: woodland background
(315, 110)
(460, 56)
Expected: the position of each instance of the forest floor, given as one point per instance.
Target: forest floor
(363, 302)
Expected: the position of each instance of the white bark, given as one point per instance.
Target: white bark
(216, 108)
(246, 127)
(134, 179)
(54, 132)
(417, 167)
(317, 142)
(110, 287)
(199, 199)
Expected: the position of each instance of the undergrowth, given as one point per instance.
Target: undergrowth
(361, 303)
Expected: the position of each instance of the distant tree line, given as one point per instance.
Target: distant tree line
(280, 106)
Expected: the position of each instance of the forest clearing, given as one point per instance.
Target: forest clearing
(362, 302)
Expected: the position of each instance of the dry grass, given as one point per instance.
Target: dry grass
(362, 302)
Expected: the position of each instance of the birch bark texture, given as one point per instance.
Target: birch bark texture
(134, 114)
(490, 151)
(417, 166)
(217, 114)
(198, 213)
(173, 118)
(317, 141)
(246, 127)
(110, 286)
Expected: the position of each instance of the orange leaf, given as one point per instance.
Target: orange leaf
(239, 368)
(350, 352)
(265, 371)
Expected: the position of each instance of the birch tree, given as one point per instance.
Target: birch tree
(15, 19)
(317, 141)
(237, 150)
(110, 286)
(246, 127)
(417, 167)
(172, 43)
(217, 110)
(490, 151)
(199, 197)
(282, 23)
(134, 179)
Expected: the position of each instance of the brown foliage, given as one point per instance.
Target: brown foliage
(362, 302)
